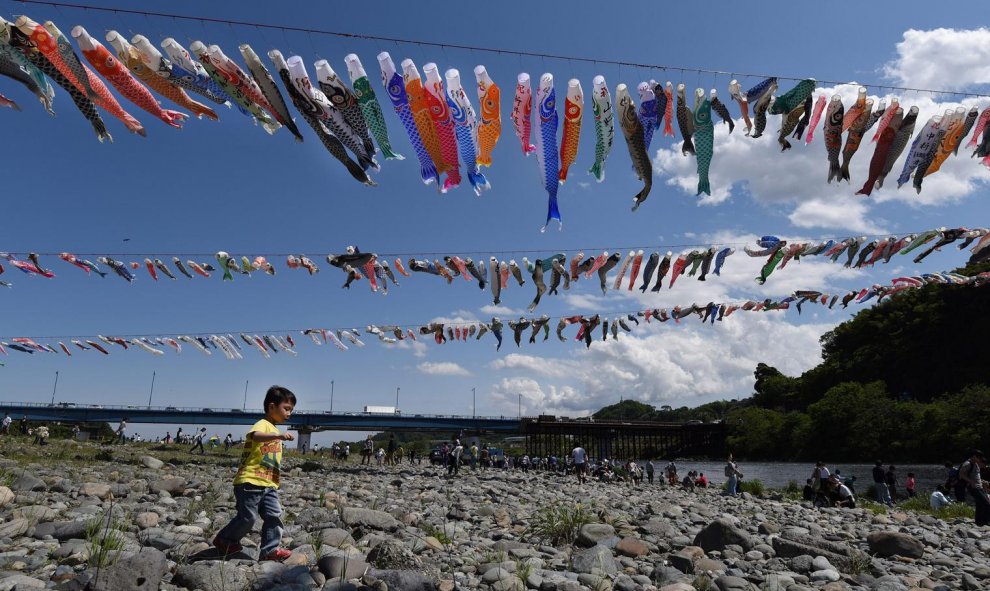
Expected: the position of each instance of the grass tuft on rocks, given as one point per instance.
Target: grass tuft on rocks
(559, 524)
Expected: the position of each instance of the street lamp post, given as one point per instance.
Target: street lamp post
(55, 388)
(150, 394)
(396, 398)
(474, 401)
(520, 406)
(244, 406)
(331, 396)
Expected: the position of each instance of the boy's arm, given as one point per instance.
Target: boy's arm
(270, 436)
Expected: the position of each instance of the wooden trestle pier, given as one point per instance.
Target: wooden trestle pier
(551, 435)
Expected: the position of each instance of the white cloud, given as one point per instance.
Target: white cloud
(842, 212)
(500, 309)
(534, 365)
(941, 58)
(794, 182)
(442, 368)
(664, 364)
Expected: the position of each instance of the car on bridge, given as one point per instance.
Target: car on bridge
(207, 410)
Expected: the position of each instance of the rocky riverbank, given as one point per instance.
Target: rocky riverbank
(125, 518)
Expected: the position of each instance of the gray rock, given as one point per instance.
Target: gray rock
(313, 516)
(14, 528)
(802, 563)
(356, 516)
(403, 580)
(730, 583)
(95, 489)
(593, 533)
(828, 575)
(211, 576)
(334, 565)
(595, 560)
(20, 582)
(391, 554)
(173, 485)
(889, 543)
(27, 482)
(721, 533)
(335, 537)
(151, 462)
(6, 496)
(596, 582)
(61, 530)
(140, 572)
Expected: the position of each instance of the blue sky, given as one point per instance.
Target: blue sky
(229, 186)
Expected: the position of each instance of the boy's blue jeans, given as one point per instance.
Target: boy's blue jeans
(252, 501)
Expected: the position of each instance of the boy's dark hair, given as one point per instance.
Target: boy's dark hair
(277, 395)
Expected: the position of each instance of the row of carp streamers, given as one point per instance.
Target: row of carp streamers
(232, 347)
(440, 122)
(652, 269)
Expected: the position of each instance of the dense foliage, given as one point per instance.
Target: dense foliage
(907, 379)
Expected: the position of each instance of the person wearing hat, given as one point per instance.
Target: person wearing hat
(969, 473)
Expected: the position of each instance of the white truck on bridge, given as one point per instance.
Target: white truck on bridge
(381, 410)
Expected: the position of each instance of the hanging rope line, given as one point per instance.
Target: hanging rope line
(459, 252)
(542, 55)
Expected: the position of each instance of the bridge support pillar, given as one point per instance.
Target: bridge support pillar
(302, 441)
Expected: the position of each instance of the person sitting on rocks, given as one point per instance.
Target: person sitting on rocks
(808, 494)
(41, 435)
(842, 496)
(701, 481)
(688, 482)
(938, 500)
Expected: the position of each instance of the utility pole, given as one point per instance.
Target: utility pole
(150, 394)
(331, 396)
(520, 406)
(474, 401)
(244, 406)
(396, 398)
(55, 388)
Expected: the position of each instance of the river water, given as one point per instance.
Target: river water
(778, 474)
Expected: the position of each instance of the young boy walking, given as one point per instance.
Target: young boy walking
(257, 480)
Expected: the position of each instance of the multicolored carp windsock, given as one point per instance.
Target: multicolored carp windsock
(328, 113)
(263, 79)
(522, 110)
(546, 145)
(343, 99)
(704, 141)
(436, 99)
(223, 71)
(372, 111)
(573, 113)
(632, 130)
(132, 58)
(604, 126)
(465, 126)
(313, 114)
(490, 123)
(190, 74)
(120, 77)
(396, 89)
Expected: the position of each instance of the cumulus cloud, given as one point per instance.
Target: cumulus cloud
(661, 364)
(941, 58)
(442, 368)
(795, 181)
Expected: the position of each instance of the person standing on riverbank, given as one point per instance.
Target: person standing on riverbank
(650, 468)
(580, 458)
(880, 484)
(969, 473)
(891, 479)
(732, 476)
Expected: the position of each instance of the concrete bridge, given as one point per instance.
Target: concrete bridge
(543, 435)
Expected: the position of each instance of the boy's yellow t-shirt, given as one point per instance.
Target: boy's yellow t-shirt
(260, 460)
